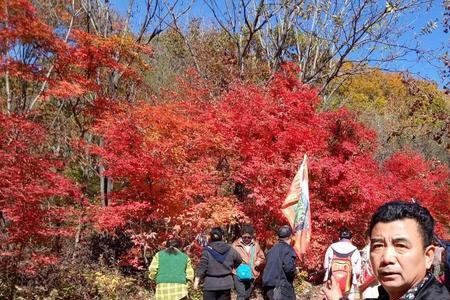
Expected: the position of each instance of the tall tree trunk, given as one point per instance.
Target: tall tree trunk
(7, 86)
(105, 183)
(78, 235)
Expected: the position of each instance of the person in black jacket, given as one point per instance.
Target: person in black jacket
(215, 267)
(401, 254)
(280, 269)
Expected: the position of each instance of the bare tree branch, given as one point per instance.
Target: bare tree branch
(49, 72)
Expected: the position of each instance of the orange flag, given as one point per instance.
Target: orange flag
(296, 209)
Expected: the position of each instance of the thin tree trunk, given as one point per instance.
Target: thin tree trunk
(8, 93)
(7, 86)
(77, 237)
(50, 70)
(2, 220)
(105, 183)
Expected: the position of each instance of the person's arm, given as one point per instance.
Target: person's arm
(153, 269)
(260, 257)
(357, 264)
(326, 262)
(288, 262)
(332, 291)
(237, 259)
(189, 270)
(201, 269)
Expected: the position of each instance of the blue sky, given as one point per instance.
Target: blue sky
(436, 40)
(419, 67)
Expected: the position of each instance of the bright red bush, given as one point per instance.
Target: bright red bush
(35, 199)
(231, 160)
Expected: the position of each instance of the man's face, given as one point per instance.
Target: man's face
(247, 238)
(398, 256)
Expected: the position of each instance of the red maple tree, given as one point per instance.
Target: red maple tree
(36, 201)
(190, 162)
(205, 163)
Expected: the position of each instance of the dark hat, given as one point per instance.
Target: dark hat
(284, 231)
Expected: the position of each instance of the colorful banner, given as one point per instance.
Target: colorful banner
(297, 210)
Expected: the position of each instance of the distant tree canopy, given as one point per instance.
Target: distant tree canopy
(405, 112)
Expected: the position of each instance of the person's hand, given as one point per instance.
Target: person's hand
(257, 263)
(331, 289)
(196, 282)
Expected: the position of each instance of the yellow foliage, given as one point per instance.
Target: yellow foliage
(111, 284)
(373, 91)
(406, 112)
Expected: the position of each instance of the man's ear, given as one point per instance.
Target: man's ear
(429, 256)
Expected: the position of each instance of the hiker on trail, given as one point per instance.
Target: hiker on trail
(401, 253)
(445, 256)
(216, 265)
(172, 270)
(437, 260)
(343, 260)
(252, 259)
(280, 270)
(368, 283)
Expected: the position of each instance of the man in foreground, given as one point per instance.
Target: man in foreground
(401, 253)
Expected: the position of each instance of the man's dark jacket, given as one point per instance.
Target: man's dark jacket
(432, 290)
(280, 269)
(216, 264)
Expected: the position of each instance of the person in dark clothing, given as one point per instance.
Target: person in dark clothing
(280, 269)
(401, 254)
(216, 265)
(428, 289)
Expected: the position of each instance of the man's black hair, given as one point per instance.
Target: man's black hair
(399, 210)
(345, 234)
(284, 231)
(216, 234)
(172, 245)
(247, 228)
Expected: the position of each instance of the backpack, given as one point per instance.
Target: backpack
(341, 268)
(244, 271)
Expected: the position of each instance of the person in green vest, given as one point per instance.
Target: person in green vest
(172, 270)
